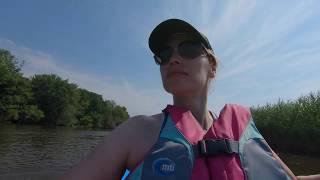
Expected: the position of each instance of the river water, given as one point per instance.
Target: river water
(33, 152)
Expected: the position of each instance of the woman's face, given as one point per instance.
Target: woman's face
(185, 77)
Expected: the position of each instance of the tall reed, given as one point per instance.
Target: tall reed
(291, 126)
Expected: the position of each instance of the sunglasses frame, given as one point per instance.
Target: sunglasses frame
(158, 60)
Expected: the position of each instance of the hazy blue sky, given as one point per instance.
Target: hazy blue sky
(267, 49)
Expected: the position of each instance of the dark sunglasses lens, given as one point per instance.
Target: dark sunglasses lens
(164, 55)
(190, 50)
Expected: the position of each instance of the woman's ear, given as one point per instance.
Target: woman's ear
(213, 66)
(212, 70)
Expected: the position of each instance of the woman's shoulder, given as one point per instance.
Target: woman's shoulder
(122, 148)
(141, 125)
(143, 120)
(144, 132)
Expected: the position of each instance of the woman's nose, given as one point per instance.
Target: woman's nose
(175, 59)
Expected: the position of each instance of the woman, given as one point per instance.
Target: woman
(185, 141)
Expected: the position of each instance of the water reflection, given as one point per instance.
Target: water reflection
(38, 153)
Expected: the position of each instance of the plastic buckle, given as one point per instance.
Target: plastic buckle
(227, 146)
(210, 147)
(202, 148)
(217, 146)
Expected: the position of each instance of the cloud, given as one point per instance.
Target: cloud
(233, 16)
(249, 31)
(266, 51)
(137, 100)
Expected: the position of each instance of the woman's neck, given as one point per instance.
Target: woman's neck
(198, 108)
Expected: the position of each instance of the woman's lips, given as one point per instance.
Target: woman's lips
(177, 73)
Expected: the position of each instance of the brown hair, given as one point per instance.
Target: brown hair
(212, 58)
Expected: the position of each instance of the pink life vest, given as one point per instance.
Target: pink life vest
(173, 156)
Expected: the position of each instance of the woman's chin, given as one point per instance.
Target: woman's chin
(179, 91)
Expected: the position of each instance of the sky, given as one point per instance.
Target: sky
(267, 49)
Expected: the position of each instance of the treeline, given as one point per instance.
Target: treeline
(47, 99)
(292, 126)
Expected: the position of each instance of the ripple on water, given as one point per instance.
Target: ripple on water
(32, 152)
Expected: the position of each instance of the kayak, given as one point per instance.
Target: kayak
(125, 174)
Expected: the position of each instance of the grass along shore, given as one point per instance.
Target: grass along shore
(291, 126)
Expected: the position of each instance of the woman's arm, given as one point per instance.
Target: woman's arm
(284, 166)
(290, 173)
(109, 159)
(310, 177)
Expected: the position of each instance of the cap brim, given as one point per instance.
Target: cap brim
(164, 30)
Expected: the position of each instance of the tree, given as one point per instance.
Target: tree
(16, 97)
(56, 98)
(48, 99)
(120, 114)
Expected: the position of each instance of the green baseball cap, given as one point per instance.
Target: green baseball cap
(165, 29)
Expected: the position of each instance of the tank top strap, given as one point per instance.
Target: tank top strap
(166, 114)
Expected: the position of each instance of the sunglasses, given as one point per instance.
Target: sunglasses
(187, 50)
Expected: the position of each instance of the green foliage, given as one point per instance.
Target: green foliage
(286, 123)
(9, 66)
(31, 114)
(96, 113)
(47, 99)
(55, 97)
(16, 97)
